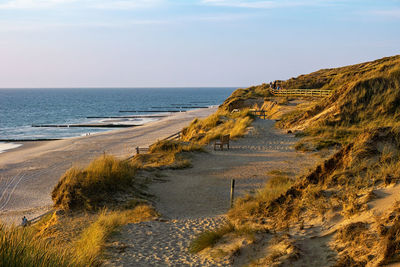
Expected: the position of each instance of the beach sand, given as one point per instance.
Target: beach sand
(29, 173)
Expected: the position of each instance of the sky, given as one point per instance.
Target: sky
(187, 43)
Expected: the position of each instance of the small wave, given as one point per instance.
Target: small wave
(8, 146)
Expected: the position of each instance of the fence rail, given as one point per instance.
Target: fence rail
(262, 114)
(174, 136)
(301, 92)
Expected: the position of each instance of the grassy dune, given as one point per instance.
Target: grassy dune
(96, 201)
(20, 247)
(167, 154)
(365, 96)
(220, 123)
(360, 119)
(88, 188)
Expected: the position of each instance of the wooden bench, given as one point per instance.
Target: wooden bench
(223, 140)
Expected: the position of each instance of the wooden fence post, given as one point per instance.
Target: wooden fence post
(232, 191)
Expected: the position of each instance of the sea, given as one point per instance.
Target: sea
(21, 109)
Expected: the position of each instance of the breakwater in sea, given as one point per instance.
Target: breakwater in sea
(93, 110)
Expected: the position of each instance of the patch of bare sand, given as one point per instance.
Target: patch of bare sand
(194, 199)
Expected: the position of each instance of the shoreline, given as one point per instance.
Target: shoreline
(29, 173)
(18, 143)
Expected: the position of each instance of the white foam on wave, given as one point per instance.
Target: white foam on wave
(8, 146)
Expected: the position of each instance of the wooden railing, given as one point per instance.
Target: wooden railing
(301, 92)
(174, 136)
(262, 114)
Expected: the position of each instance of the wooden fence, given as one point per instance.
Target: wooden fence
(301, 92)
(262, 114)
(174, 136)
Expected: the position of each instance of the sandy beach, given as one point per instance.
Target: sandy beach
(28, 173)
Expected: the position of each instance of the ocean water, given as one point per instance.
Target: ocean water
(22, 108)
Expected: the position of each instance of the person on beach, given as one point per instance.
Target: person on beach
(24, 222)
(274, 84)
(271, 85)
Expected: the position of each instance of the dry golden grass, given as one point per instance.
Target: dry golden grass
(84, 235)
(91, 242)
(209, 238)
(167, 154)
(360, 119)
(252, 206)
(218, 124)
(89, 188)
(20, 247)
(241, 98)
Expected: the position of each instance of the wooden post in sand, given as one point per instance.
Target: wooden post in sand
(232, 191)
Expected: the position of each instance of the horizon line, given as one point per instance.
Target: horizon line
(123, 87)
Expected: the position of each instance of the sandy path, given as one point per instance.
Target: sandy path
(29, 173)
(194, 199)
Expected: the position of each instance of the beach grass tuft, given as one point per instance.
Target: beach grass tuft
(89, 246)
(20, 247)
(202, 131)
(209, 238)
(89, 188)
(172, 154)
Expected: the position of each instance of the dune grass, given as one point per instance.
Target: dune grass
(167, 154)
(209, 238)
(251, 206)
(88, 188)
(62, 241)
(90, 245)
(241, 98)
(360, 119)
(202, 131)
(20, 247)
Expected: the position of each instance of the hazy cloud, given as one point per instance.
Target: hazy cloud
(390, 13)
(263, 4)
(48, 4)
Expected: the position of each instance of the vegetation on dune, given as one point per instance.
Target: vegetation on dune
(340, 187)
(20, 247)
(360, 119)
(105, 182)
(64, 240)
(209, 238)
(245, 98)
(202, 131)
(365, 94)
(91, 187)
(90, 244)
(167, 154)
(250, 205)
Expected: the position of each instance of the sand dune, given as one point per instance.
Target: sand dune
(195, 199)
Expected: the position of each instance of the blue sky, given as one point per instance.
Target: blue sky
(157, 43)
